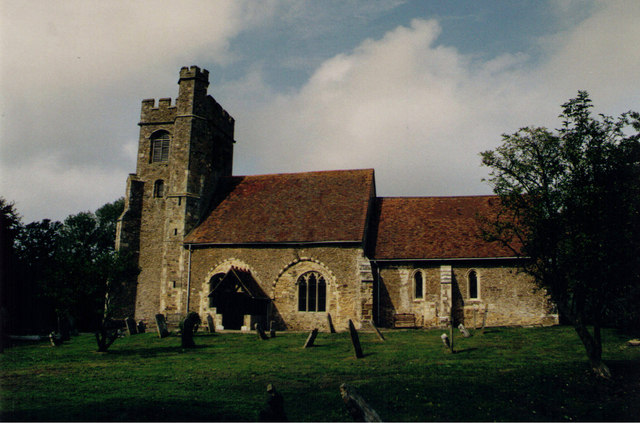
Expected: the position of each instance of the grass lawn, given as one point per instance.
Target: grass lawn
(506, 374)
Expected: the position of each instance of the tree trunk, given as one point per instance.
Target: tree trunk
(593, 347)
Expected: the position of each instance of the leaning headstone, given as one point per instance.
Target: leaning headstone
(330, 322)
(463, 330)
(445, 340)
(189, 326)
(311, 339)
(274, 410)
(142, 327)
(358, 408)
(260, 332)
(161, 324)
(272, 329)
(211, 324)
(355, 340)
(484, 317)
(377, 331)
(131, 326)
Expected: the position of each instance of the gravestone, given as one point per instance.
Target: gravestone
(189, 327)
(161, 325)
(142, 327)
(377, 331)
(272, 329)
(131, 326)
(211, 324)
(330, 322)
(358, 408)
(484, 317)
(55, 339)
(260, 332)
(445, 340)
(311, 339)
(355, 340)
(463, 330)
(274, 410)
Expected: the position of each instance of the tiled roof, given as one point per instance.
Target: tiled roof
(318, 207)
(433, 228)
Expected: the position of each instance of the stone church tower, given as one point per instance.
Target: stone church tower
(183, 151)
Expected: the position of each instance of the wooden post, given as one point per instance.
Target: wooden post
(484, 317)
(311, 339)
(260, 332)
(375, 328)
(355, 340)
(358, 408)
(330, 322)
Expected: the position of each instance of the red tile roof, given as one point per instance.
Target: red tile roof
(305, 207)
(434, 228)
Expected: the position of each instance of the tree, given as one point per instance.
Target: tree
(571, 205)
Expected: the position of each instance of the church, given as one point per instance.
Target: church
(301, 249)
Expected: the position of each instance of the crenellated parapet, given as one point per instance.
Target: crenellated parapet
(163, 112)
(220, 117)
(194, 72)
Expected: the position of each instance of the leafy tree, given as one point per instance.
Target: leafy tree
(571, 205)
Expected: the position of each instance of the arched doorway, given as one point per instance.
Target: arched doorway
(235, 294)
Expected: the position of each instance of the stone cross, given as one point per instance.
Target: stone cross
(311, 339)
(355, 340)
(464, 331)
(161, 324)
(131, 326)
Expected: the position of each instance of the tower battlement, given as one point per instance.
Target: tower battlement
(194, 72)
(164, 111)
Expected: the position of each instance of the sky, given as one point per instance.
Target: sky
(414, 89)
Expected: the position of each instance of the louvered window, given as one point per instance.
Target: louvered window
(160, 143)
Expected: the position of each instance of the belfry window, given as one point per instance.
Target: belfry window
(418, 285)
(160, 142)
(158, 189)
(473, 284)
(312, 292)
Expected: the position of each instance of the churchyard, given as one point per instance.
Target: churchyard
(514, 374)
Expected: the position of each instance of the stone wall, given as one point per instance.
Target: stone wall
(511, 295)
(276, 270)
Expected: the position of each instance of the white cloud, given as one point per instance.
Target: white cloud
(420, 112)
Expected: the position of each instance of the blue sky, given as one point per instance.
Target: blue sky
(413, 89)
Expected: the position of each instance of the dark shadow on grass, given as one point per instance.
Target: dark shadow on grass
(153, 351)
(465, 350)
(132, 409)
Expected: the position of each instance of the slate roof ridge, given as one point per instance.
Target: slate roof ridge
(265, 175)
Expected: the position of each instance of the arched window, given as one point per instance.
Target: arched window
(473, 285)
(158, 189)
(312, 292)
(418, 285)
(160, 142)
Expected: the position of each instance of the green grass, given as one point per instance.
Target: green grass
(506, 374)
